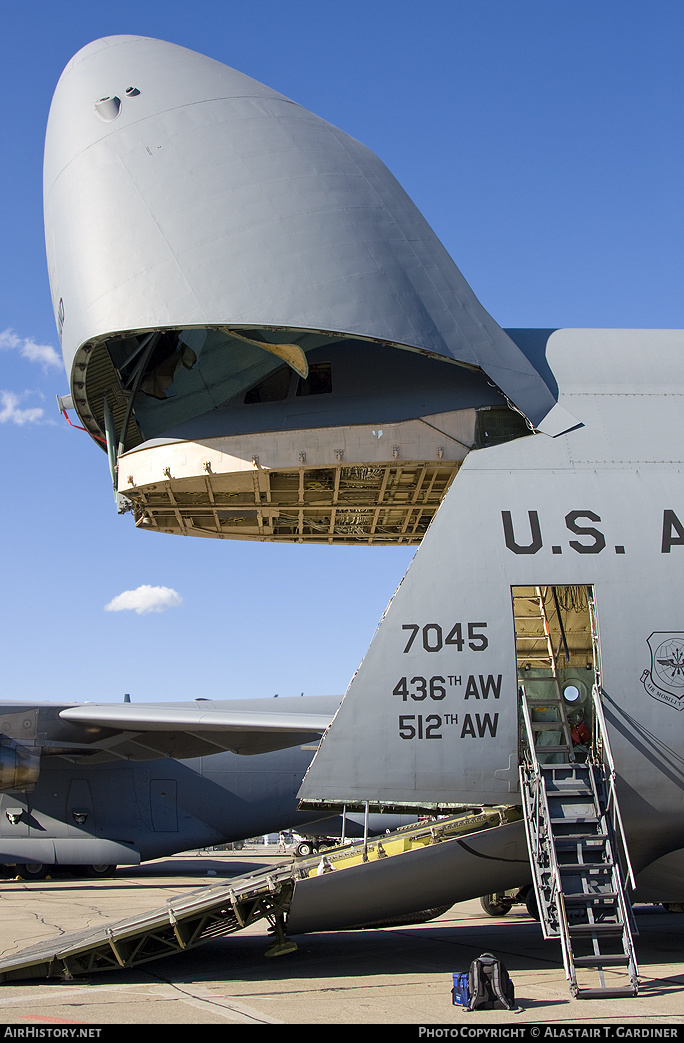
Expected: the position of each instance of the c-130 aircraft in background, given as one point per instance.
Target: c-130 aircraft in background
(272, 344)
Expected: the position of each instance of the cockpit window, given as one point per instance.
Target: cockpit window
(276, 386)
(273, 389)
(499, 424)
(318, 382)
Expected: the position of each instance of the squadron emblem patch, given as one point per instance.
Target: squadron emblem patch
(665, 680)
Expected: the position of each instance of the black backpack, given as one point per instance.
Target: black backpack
(490, 985)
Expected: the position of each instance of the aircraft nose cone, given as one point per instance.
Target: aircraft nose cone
(181, 193)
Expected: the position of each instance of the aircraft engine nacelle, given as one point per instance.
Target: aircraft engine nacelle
(19, 766)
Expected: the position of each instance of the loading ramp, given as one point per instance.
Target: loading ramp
(190, 920)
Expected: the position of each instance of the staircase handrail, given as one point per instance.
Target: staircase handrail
(542, 804)
(566, 948)
(528, 730)
(613, 801)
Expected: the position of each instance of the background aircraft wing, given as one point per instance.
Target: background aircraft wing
(189, 730)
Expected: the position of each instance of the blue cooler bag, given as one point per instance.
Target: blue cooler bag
(460, 994)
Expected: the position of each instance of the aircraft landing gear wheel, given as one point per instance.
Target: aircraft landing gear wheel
(673, 907)
(531, 904)
(305, 849)
(496, 905)
(98, 871)
(32, 871)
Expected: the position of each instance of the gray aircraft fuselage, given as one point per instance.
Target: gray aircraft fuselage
(155, 807)
(274, 345)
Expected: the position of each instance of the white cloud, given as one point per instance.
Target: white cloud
(44, 354)
(11, 413)
(145, 599)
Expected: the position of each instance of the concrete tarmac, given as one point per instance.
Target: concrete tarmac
(394, 976)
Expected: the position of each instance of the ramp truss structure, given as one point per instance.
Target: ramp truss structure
(215, 912)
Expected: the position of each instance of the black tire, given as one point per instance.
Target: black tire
(305, 848)
(97, 871)
(32, 871)
(673, 907)
(531, 904)
(493, 905)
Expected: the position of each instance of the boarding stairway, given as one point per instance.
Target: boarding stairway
(578, 852)
(217, 911)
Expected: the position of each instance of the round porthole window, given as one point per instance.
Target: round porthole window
(571, 693)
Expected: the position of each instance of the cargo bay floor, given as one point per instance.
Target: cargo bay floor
(398, 975)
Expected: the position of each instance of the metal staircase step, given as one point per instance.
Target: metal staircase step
(606, 994)
(565, 790)
(575, 883)
(574, 820)
(542, 698)
(593, 841)
(575, 792)
(539, 677)
(601, 961)
(581, 897)
(572, 869)
(575, 838)
(575, 878)
(567, 775)
(584, 851)
(596, 928)
(578, 770)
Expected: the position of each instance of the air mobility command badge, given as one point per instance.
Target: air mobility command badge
(665, 679)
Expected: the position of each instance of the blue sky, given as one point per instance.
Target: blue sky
(544, 143)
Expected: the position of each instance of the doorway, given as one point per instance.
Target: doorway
(557, 653)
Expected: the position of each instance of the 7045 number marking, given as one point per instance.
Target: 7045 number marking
(434, 640)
